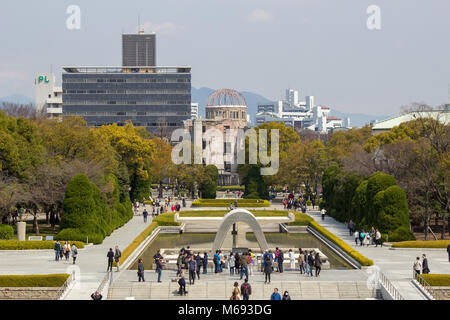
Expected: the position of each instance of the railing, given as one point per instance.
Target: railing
(435, 294)
(108, 278)
(384, 281)
(65, 286)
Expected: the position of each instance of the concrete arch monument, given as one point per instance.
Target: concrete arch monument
(239, 215)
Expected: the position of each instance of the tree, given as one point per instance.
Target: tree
(208, 186)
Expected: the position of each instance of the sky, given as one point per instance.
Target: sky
(320, 47)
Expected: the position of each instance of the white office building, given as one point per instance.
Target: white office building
(48, 96)
(194, 110)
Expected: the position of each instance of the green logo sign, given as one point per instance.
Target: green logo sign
(43, 79)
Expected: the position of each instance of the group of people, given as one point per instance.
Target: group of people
(65, 250)
(372, 237)
(421, 266)
(113, 256)
(246, 290)
(241, 264)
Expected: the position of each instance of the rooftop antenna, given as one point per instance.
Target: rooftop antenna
(139, 23)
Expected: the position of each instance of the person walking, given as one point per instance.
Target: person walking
(351, 227)
(158, 262)
(448, 251)
(251, 262)
(57, 249)
(286, 296)
(318, 264)
(237, 265)
(362, 236)
(246, 290)
(199, 263)
(275, 295)
(67, 250)
(292, 259)
(231, 262)
(145, 214)
(267, 269)
(117, 256)
(74, 253)
(356, 235)
(425, 269)
(235, 293)
(417, 266)
(310, 263)
(192, 270)
(216, 260)
(378, 238)
(110, 256)
(140, 271)
(182, 283)
(322, 213)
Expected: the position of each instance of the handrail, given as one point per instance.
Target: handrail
(393, 291)
(108, 277)
(435, 294)
(65, 285)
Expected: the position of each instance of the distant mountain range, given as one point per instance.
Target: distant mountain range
(253, 99)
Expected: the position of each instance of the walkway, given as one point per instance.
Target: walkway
(91, 260)
(396, 264)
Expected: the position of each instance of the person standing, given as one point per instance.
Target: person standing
(351, 227)
(145, 214)
(286, 296)
(205, 263)
(246, 290)
(448, 251)
(199, 263)
(231, 263)
(251, 262)
(292, 259)
(417, 266)
(117, 255)
(425, 269)
(57, 250)
(322, 213)
(243, 262)
(280, 260)
(275, 295)
(140, 271)
(356, 235)
(192, 265)
(216, 260)
(74, 252)
(318, 264)
(301, 261)
(67, 250)
(267, 269)
(158, 262)
(110, 256)
(310, 263)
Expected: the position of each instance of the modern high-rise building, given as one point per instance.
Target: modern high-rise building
(48, 96)
(139, 50)
(151, 97)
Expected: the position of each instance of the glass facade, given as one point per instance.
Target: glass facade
(148, 99)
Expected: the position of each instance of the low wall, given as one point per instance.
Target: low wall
(29, 293)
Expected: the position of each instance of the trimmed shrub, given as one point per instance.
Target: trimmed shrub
(437, 280)
(231, 188)
(6, 232)
(442, 244)
(35, 280)
(32, 245)
(377, 182)
(301, 219)
(401, 234)
(256, 203)
(221, 213)
(71, 234)
(344, 246)
(166, 219)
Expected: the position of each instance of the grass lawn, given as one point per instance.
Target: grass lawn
(437, 280)
(221, 213)
(422, 244)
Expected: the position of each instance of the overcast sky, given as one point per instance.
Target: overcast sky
(321, 47)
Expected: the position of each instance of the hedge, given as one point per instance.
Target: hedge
(443, 244)
(301, 219)
(221, 213)
(166, 219)
(32, 245)
(255, 203)
(231, 188)
(437, 280)
(35, 280)
(6, 231)
(344, 246)
(71, 234)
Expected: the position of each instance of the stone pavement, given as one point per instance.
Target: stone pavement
(91, 260)
(331, 284)
(396, 264)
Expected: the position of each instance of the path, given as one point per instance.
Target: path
(396, 264)
(91, 260)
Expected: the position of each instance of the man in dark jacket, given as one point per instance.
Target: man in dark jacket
(199, 262)
(145, 214)
(205, 262)
(110, 256)
(448, 251)
(243, 263)
(310, 263)
(192, 269)
(141, 271)
(280, 261)
(158, 262)
(425, 269)
(57, 250)
(246, 290)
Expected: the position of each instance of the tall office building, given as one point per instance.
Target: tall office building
(151, 97)
(138, 50)
(292, 96)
